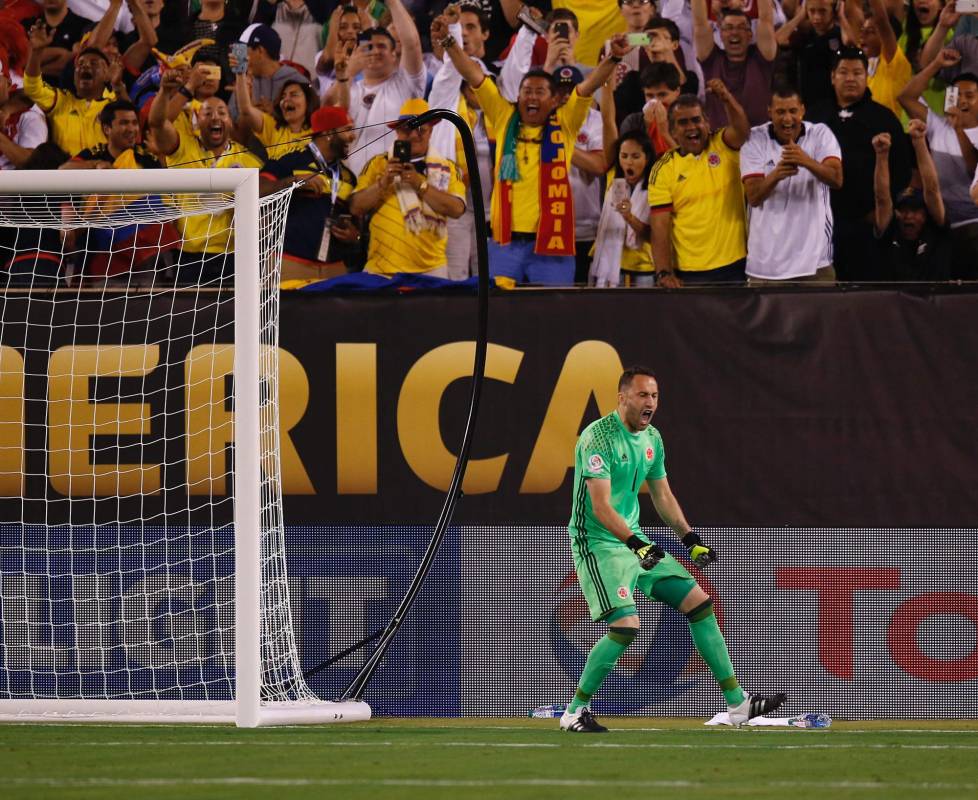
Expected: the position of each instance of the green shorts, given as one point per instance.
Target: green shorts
(609, 573)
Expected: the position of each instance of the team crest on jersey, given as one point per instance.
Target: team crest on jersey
(649, 453)
(713, 159)
(595, 463)
(623, 592)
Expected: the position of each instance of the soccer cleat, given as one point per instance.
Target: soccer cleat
(754, 705)
(581, 721)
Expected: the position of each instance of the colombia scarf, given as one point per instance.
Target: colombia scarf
(555, 233)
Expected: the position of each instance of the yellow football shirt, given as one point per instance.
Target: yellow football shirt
(526, 191)
(208, 233)
(393, 248)
(598, 21)
(888, 79)
(73, 122)
(705, 196)
(281, 140)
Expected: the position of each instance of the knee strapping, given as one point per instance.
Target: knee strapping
(702, 611)
(621, 635)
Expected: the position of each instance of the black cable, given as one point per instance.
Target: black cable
(356, 688)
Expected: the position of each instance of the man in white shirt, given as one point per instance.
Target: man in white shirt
(22, 124)
(386, 84)
(788, 167)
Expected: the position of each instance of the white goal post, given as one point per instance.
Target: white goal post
(132, 588)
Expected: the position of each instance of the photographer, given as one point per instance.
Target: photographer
(411, 191)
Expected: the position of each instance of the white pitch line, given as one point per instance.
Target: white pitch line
(514, 745)
(68, 783)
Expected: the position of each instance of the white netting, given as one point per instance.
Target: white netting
(117, 569)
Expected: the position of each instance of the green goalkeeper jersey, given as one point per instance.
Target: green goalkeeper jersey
(607, 450)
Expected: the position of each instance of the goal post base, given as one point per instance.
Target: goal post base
(202, 712)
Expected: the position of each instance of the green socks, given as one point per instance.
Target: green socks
(600, 661)
(710, 644)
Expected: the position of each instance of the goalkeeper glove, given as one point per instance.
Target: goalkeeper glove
(699, 553)
(648, 554)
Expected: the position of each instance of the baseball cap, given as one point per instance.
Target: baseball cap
(259, 35)
(329, 118)
(567, 77)
(411, 108)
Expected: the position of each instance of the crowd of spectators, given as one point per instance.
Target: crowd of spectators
(618, 142)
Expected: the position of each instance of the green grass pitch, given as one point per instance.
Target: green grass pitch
(486, 758)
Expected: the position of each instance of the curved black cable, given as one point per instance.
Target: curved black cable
(356, 688)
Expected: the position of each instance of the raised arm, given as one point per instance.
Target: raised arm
(888, 39)
(767, 42)
(511, 9)
(104, 27)
(609, 125)
(927, 170)
(167, 138)
(935, 42)
(412, 59)
(137, 53)
(783, 34)
(738, 126)
(34, 86)
(597, 76)
(883, 212)
(471, 72)
(249, 116)
(909, 97)
(516, 64)
(702, 30)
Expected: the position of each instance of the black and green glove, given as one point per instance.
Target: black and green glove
(648, 554)
(701, 555)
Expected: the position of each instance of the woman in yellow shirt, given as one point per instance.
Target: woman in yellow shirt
(287, 128)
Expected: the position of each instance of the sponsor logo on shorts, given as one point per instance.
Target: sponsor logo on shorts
(595, 463)
(623, 592)
(649, 453)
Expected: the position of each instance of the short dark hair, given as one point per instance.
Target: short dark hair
(538, 72)
(849, 53)
(964, 76)
(733, 12)
(369, 33)
(685, 101)
(107, 115)
(784, 91)
(661, 22)
(659, 72)
(562, 15)
(632, 372)
(470, 8)
(94, 51)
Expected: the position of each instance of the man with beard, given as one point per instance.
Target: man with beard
(913, 242)
(386, 85)
(207, 244)
(745, 69)
(532, 208)
(696, 196)
(788, 167)
(72, 116)
(855, 119)
(319, 230)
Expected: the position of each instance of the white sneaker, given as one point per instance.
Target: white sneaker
(754, 705)
(581, 721)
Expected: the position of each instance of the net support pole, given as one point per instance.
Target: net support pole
(247, 477)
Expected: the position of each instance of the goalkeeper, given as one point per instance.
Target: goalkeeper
(614, 456)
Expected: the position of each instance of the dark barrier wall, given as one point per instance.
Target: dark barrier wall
(826, 409)
(780, 408)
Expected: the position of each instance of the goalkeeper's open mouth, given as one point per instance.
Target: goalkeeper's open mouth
(646, 416)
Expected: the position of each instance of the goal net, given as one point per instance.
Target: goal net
(142, 557)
